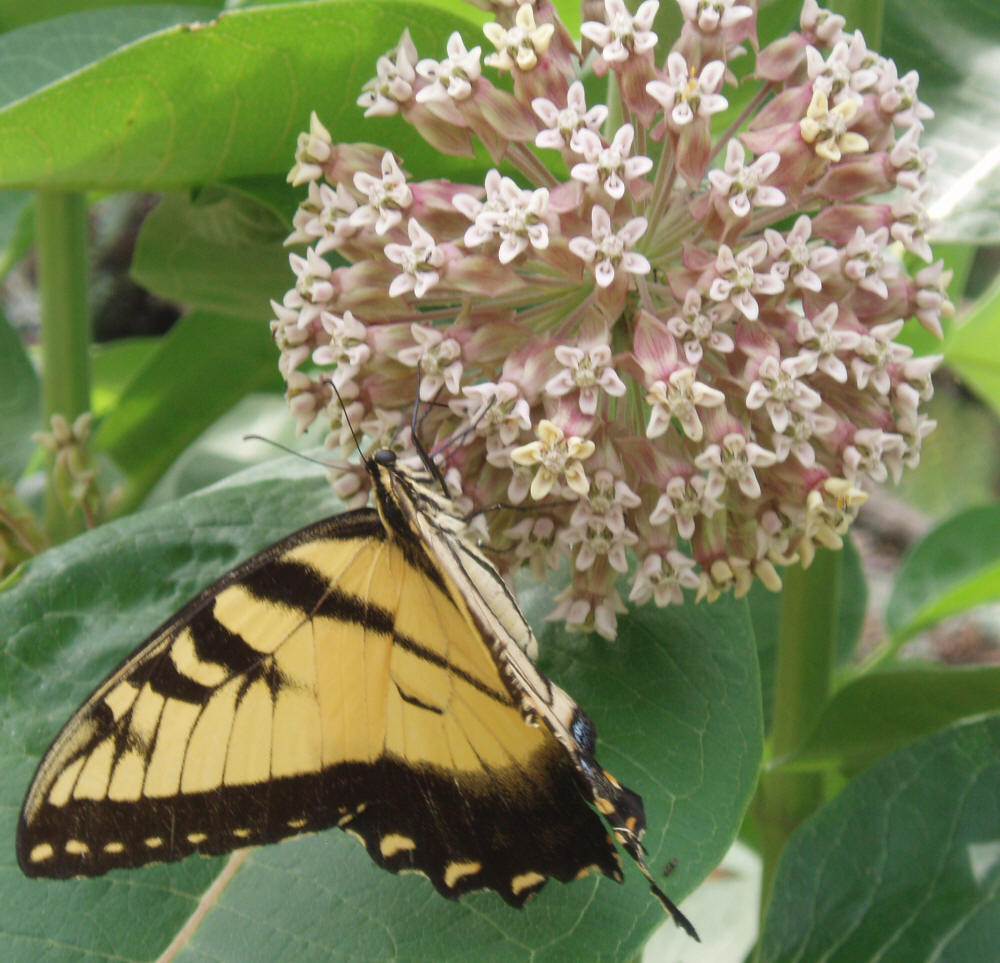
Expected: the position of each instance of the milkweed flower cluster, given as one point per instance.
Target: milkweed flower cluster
(666, 325)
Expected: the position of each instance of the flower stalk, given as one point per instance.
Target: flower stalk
(805, 665)
(61, 246)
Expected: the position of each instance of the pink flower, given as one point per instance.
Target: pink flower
(677, 337)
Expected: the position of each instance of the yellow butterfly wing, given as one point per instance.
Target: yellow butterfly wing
(331, 680)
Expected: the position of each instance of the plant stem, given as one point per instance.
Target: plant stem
(806, 648)
(61, 246)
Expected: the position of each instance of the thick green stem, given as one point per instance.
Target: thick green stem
(806, 648)
(61, 245)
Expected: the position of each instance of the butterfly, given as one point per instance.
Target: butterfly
(370, 671)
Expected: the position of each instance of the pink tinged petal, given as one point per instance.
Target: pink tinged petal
(583, 247)
(740, 204)
(766, 196)
(746, 304)
(720, 180)
(664, 94)
(560, 385)
(711, 75)
(635, 263)
(756, 396)
(767, 284)
(614, 187)
(682, 114)
(611, 383)
(808, 280)
(633, 229)
(604, 273)
(588, 400)
(720, 289)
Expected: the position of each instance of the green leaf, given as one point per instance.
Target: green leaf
(222, 252)
(902, 865)
(765, 610)
(953, 45)
(973, 350)
(20, 404)
(17, 13)
(17, 227)
(877, 713)
(113, 365)
(952, 569)
(676, 701)
(162, 106)
(203, 366)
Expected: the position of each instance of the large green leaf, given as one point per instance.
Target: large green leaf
(201, 369)
(216, 97)
(20, 404)
(973, 350)
(873, 715)
(902, 865)
(676, 701)
(952, 569)
(222, 252)
(17, 13)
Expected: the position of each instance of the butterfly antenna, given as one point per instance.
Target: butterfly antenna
(343, 466)
(354, 435)
(416, 421)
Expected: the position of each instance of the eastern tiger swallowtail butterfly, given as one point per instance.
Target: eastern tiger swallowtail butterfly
(370, 671)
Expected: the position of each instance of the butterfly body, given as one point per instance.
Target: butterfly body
(371, 671)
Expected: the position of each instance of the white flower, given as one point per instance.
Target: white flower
(347, 348)
(388, 196)
(419, 261)
(713, 15)
(686, 498)
(556, 457)
(735, 460)
(495, 410)
(876, 354)
(695, 329)
(683, 95)
(778, 388)
(824, 342)
(393, 83)
(561, 124)
(587, 370)
(794, 258)
(662, 579)
(678, 398)
(516, 216)
(738, 280)
(610, 251)
(439, 360)
(612, 167)
(623, 34)
(743, 184)
(521, 44)
(453, 77)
